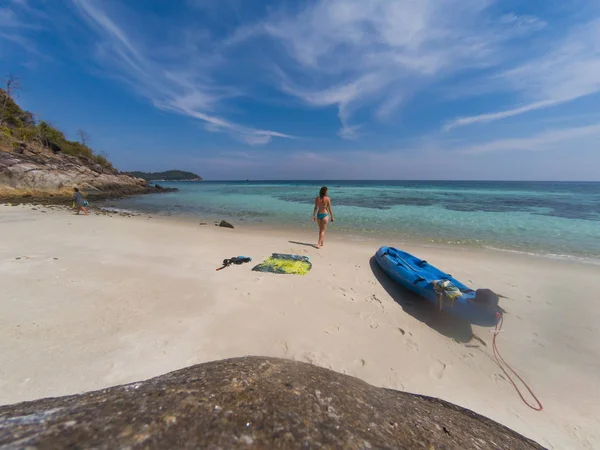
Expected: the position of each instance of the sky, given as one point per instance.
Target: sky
(318, 89)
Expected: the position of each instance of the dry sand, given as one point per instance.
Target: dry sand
(90, 302)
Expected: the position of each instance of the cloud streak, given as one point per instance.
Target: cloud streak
(541, 141)
(354, 54)
(174, 86)
(569, 71)
(362, 60)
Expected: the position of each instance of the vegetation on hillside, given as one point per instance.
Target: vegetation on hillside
(169, 175)
(18, 127)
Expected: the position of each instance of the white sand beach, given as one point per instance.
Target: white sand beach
(91, 302)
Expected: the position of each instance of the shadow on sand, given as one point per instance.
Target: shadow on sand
(303, 243)
(458, 329)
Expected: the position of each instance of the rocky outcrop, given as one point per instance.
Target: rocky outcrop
(251, 402)
(225, 224)
(45, 173)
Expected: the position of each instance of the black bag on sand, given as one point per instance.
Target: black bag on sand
(237, 260)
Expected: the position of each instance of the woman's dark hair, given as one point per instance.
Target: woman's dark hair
(323, 192)
(76, 189)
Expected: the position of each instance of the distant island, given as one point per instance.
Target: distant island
(168, 175)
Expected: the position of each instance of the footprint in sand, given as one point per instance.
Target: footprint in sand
(393, 382)
(437, 370)
(345, 294)
(538, 343)
(412, 345)
(499, 378)
(373, 298)
(365, 315)
(332, 329)
(360, 362)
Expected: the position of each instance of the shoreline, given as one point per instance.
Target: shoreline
(95, 301)
(358, 235)
(64, 197)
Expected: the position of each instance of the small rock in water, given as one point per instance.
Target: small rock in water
(225, 224)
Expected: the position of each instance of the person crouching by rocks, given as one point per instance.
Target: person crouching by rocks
(79, 202)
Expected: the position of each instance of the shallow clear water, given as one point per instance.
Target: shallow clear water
(540, 217)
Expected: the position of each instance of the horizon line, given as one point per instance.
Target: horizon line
(383, 180)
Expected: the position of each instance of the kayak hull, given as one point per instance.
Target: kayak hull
(417, 276)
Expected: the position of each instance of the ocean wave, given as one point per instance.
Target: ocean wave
(581, 259)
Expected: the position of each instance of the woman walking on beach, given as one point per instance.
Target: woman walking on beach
(79, 201)
(322, 212)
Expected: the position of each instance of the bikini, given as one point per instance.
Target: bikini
(321, 216)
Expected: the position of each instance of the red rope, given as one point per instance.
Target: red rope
(501, 363)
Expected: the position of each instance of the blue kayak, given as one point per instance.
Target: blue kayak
(478, 307)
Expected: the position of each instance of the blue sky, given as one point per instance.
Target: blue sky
(321, 89)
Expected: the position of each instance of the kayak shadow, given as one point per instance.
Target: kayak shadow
(446, 324)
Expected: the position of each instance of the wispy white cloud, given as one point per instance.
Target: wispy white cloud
(178, 86)
(568, 71)
(490, 117)
(8, 18)
(545, 140)
(14, 28)
(352, 53)
(363, 59)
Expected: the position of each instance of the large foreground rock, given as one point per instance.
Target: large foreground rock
(251, 402)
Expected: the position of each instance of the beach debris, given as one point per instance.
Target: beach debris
(285, 264)
(237, 260)
(168, 412)
(445, 290)
(478, 339)
(225, 224)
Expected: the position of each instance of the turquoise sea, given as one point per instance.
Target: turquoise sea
(554, 218)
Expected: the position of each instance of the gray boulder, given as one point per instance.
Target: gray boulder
(225, 224)
(97, 168)
(251, 402)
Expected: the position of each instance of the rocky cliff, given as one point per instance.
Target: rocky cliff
(37, 161)
(37, 172)
(251, 402)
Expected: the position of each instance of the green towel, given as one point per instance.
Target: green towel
(286, 264)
